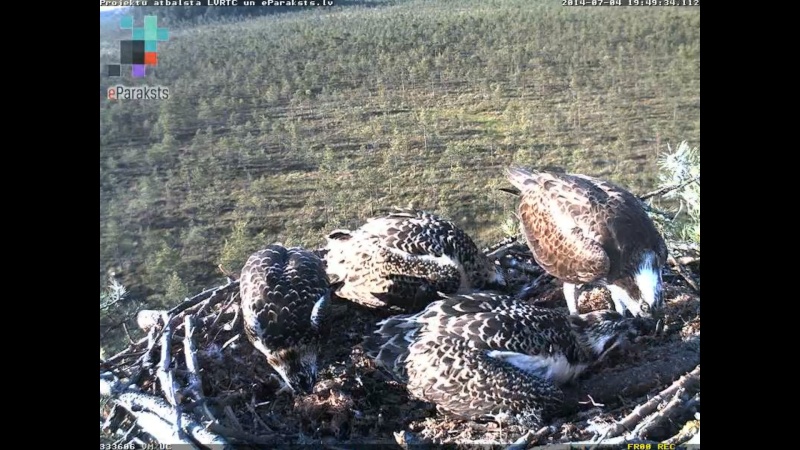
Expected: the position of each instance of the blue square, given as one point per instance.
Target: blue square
(138, 34)
(162, 34)
(126, 22)
(151, 46)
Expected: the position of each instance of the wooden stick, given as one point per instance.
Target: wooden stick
(641, 411)
(676, 403)
(243, 436)
(166, 374)
(670, 188)
(162, 431)
(195, 382)
(531, 438)
(137, 401)
(683, 273)
(208, 294)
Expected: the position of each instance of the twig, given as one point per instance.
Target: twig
(127, 433)
(110, 385)
(162, 431)
(242, 436)
(592, 402)
(641, 411)
(146, 360)
(531, 438)
(230, 341)
(127, 353)
(136, 402)
(683, 273)
(230, 276)
(648, 425)
(128, 334)
(689, 429)
(232, 418)
(687, 260)
(256, 418)
(166, 374)
(195, 382)
(222, 310)
(208, 294)
(670, 188)
(499, 249)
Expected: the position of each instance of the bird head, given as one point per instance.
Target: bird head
(605, 331)
(488, 275)
(297, 367)
(642, 291)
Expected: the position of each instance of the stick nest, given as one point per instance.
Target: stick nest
(196, 379)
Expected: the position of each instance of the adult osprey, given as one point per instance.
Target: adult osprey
(493, 356)
(404, 258)
(283, 294)
(585, 230)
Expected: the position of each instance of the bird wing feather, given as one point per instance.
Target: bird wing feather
(279, 289)
(564, 225)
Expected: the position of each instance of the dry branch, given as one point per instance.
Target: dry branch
(676, 405)
(136, 402)
(683, 273)
(166, 374)
(195, 386)
(689, 430)
(666, 189)
(160, 430)
(531, 438)
(212, 295)
(641, 411)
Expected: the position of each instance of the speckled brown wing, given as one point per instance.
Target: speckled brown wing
(467, 382)
(280, 289)
(402, 259)
(489, 355)
(379, 276)
(564, 225)
(423, 233)
(499, 322)
(625, 212)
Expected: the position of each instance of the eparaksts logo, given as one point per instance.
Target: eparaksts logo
(120, 92)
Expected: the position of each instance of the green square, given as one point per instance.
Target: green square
(138, 34)
(151, 46)
(126, 22)
(150, 28)
(163, 34)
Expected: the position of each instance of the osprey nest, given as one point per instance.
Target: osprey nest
(197, 380)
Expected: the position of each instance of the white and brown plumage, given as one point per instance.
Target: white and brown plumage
(585, 230)
(493, 356)
(404, 258)
(284, 292)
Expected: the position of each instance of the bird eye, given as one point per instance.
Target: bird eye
(645, 307)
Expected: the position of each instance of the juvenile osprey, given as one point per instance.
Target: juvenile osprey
(584, 230)
(284, 293)
(405, 258)
(493, 356)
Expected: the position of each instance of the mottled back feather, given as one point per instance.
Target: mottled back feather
(582, 229)
(284, 293)
(493, 355)
(404, 258)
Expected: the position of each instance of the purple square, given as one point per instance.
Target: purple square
(137, 70)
